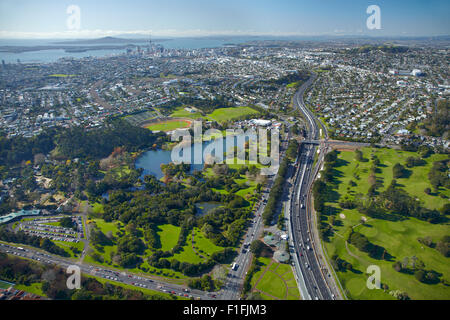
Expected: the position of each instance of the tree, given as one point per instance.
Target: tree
(397, 266)
(398, 171)
(256, 247)
(420, 275)
(359, 155)
(443, 246)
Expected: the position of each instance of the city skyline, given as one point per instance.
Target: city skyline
(176, 18)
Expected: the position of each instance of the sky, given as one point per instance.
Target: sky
(179, 18)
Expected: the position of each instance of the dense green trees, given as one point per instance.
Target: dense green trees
(340, 264)
(438, 174)
(277, 189)
(438, 125)
(205, 283)
(443, 246)
(257, 247)
(17, 149)
(100, 142)
(362, 243)
(398, 171)
(67, 222)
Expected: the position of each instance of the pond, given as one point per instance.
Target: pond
(206, 207)
(151, 160)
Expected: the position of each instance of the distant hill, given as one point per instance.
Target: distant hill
(106, 40)
(388, 48)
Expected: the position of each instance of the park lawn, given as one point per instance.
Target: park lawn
(181, 113)
(97, 208)
(105, 227)
(169, 125)
(273, 285)
(61, 75)
(399, 238)
(35, 288)
(119, 171)
(203, 244)
(187, 253)
(415, 184)
(67, 245)
(278, 281)
(226, 114)
(264, 262)
(168, 236)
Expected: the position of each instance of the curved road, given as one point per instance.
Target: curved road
(304, 243)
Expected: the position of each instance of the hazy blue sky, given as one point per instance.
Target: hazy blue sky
(47, 18)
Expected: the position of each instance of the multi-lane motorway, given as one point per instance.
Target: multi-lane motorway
(106, 273)
(315, 281)
(235, 278)
(314, 278)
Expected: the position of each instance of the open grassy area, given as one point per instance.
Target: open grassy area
(105, 227)
(275, 281)
(97, 208)
(169, 125)
(168, 236)
(399, 238)
(62, 75)
(182, 113)
(68, 245)
(4, 285)
(199, 251)
(35, 288)
(226, 114)
(203, 245)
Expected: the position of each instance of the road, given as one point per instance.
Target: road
(235, 278)
(106, 273)
(304, 244)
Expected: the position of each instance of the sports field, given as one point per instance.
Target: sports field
(227, 114)
(169, 125)
(399, 238)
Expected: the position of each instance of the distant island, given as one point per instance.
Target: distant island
(107, 43)
(107, 40)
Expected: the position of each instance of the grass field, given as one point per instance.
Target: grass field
(97, 208)
(203, 248)
(105, 227)
(227, 114)
(35, 288)
(168, 236)
(399, 238)
(61, 75)
(4, 285)
(275, 281)
(67, 245)
(182, 113)
(169, 125)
